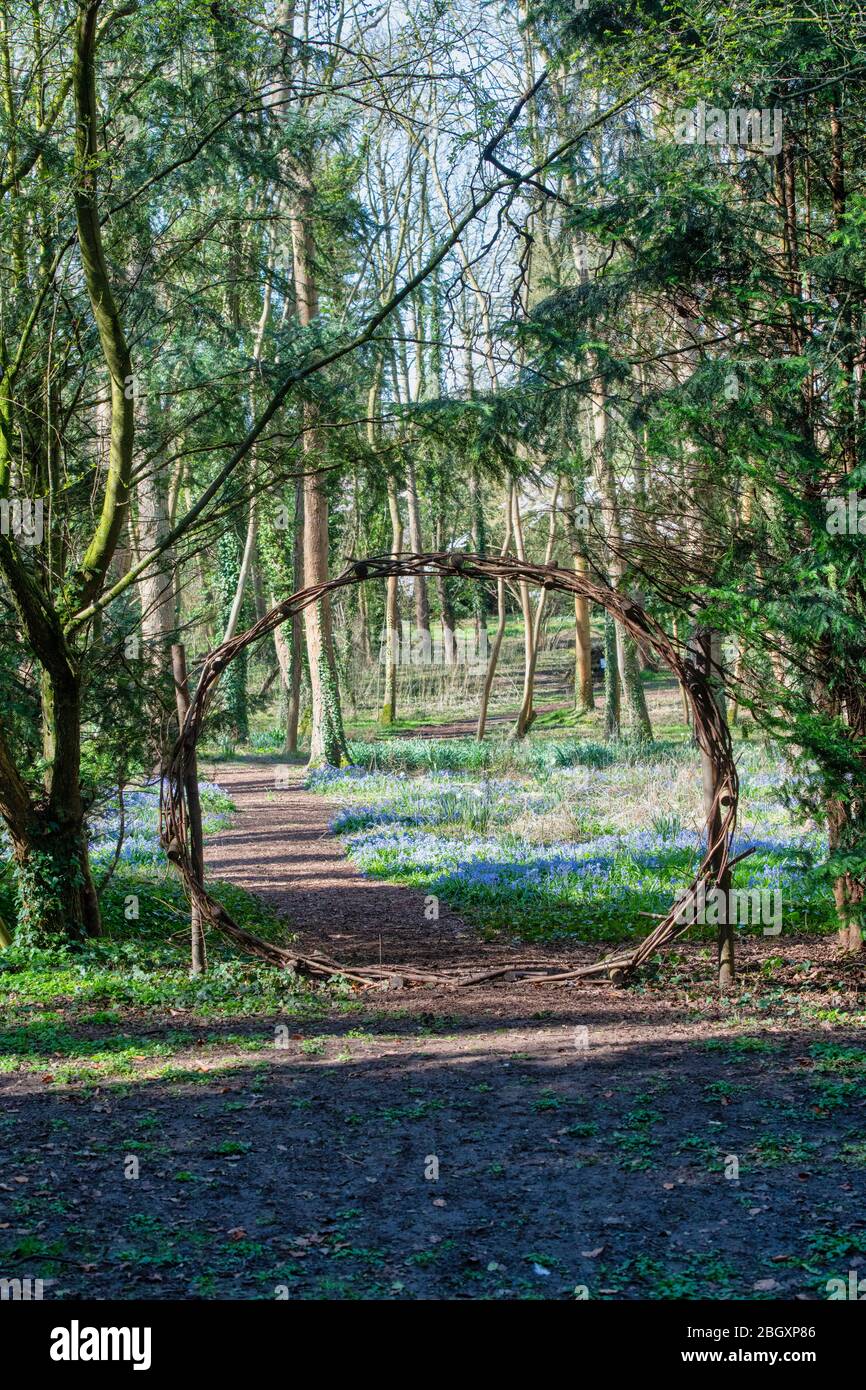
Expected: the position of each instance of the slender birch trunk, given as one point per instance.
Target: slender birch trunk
(500, 625)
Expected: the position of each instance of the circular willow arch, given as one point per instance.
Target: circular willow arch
(709, 724)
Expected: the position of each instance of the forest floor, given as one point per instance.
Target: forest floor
(499, 1142)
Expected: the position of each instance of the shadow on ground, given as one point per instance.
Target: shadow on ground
(509, 1156)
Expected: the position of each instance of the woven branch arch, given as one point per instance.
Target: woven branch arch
(710, 728)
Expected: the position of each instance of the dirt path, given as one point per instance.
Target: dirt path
(280, 847)
(535, 1142)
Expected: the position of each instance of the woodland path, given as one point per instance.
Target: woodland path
(495, 1142)
(280, 847)
(603, 1161)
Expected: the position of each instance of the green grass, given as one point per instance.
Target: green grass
(75, 1016)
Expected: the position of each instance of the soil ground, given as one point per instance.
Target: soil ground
(498, 1142)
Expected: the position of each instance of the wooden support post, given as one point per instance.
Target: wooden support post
(193, 807)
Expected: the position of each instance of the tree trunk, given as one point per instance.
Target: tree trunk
(706, 647)
(284, 663)
(364, 622)
(422, 602)
(388, 712)
(845, 825)
(848, 891)
(584, 697)
(327, 739)
(56, 898)
(446, 608)
(479, 547)
(296, 627)
(684, 699)
(192, 809)
(55, 894)
(725, 930)
(611, 680)
(235, 680)
(526, 714)
(635, 695)
(156, 586)
(243, 575)
(500, 626)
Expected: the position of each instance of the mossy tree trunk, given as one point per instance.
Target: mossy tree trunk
(56, 898)
(628, 658)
